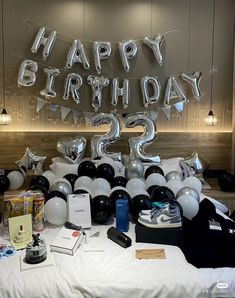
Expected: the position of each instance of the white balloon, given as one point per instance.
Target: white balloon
(175, 185)
(16, 180)
(50, 176)
(135, 183)
(155, 179)
(100, 183)
(193, 182)
(99, 192)
(189, 204)
(82, 181)
(138, 191)
(56, 211)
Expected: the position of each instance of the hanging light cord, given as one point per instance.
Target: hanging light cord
(212, 55)
(3, 61)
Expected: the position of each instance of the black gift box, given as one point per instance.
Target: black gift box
(170, 236)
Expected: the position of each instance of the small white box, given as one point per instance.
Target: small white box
(79, 210)
(66, 241)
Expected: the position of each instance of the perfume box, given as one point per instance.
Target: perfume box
(66, 241)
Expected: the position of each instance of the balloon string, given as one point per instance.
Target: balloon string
(171, 31)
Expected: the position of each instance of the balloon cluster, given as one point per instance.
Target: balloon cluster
(12, 181)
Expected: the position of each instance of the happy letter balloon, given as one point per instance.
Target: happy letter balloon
(155, 46)
(47, 42)
(138, 144)
(128, 50)
(100, 142)
(27, 73)
(77, 54)
(102, 50)
(97, 84)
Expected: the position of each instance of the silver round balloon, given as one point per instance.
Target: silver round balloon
(97, 84)
(188, 191)
(27, 73)
(134, 169)
(194, 80)
(138, 144)
(174, 175)
(128, 50)
(100, 142)
(48, 91)
(155, 46)
(61, 186)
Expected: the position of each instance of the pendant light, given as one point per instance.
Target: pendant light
(211, 119)
(5, 118)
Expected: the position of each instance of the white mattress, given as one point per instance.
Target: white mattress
(113, 272)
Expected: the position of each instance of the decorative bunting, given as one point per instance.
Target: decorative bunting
(76, 115)
(64, 112)
(179, 106)
(88, 116)
(167, 111)
(154, 115)
(40, 104)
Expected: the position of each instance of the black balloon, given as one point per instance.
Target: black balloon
(4, 183)
(119, 181)
(162, 194)
(56, 193)
(39, 180)
(118, 194)
(226, 181)
(152, 188)
(138, 203)
(101, 209)
(71, 178)
(105, 171)
(153, 169)
(82, 191)
(87, 168)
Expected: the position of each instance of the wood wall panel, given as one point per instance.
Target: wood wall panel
(214, 148)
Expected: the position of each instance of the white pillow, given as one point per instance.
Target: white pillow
(62, 169)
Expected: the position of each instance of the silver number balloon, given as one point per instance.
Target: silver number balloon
(72, 85)
(97, 84)
(155, 46)
(100, 142)
(72, 149)
(138, 144)
(123, 92)
(102, 50)
(156, 87)
(48, 91)
(77, 54)
(128, 50)
(47, 42)
(27, 73)
(173, 90)
(194, 80)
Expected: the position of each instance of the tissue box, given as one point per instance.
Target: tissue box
(170, 236)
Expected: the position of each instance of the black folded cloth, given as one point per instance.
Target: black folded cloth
(205, 247)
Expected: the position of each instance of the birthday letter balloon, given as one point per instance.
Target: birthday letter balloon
(123, 92)
(100, 142)
(102, 50)
(72, 85)
(173, 90)
(156, 87)
(51, 73)
(194, 80)
(77, 54)
(27, 73)
(128, 50)
(97, 84)
(47, 42)
(155, 46)
(138, 144)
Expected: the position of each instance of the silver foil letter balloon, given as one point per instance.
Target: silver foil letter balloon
(173, 90)
(128, 50)
(123, 92)
(138, 144)
(194, 80)
(99, 143)
(155, 46)
(77, 54)
(97, 84)
(48, 91)
(72, 85)
(27, 73)
(102, 50)
(47, 42)
(146, 82)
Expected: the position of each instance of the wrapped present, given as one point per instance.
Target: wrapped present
(24, 202)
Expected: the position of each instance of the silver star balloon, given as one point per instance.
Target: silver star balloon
(31, 161)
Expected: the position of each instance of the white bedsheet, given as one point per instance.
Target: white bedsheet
(113, 273)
